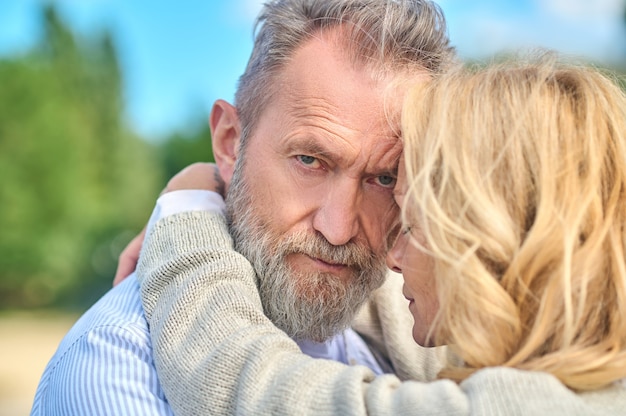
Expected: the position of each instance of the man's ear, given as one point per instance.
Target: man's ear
(225, 135)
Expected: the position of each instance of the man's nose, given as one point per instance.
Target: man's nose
(337, 217)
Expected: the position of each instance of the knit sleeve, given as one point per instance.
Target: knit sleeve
(217, 353)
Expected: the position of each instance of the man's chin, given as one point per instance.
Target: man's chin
(313, 307)
(324, 288)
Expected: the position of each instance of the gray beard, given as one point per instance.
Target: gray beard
(305, 305)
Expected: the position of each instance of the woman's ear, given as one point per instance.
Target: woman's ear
(225, 135)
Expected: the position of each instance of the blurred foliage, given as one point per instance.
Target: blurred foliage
(184, 148)
(78, 184)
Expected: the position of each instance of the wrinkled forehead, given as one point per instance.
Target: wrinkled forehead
(321, 77)
(386, 74)
(322, 93)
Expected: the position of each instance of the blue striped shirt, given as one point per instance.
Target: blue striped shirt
(104, 364)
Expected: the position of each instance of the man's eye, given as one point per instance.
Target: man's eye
(307, 160)
(386, 181)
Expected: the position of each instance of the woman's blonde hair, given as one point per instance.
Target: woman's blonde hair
(517, 176)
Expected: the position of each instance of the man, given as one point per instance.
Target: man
(308, 157)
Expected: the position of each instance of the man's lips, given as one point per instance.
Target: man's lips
(328, 265)
(305, 262)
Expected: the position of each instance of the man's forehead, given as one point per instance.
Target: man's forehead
(346, 127)
(388, 150)
(321, 96)
(371, 118)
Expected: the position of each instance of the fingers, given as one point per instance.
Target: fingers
(197, 176)
(128, 258)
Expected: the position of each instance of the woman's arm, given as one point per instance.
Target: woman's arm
(217, 353)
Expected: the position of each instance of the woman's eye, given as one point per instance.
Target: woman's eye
(386, 181)
(405, 230)
(308, 160)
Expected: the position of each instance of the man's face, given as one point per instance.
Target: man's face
(311, 204)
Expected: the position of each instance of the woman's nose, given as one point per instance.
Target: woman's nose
(395, 255)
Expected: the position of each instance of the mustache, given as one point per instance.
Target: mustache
(353, 254)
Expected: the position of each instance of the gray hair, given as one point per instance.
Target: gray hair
(384, 34)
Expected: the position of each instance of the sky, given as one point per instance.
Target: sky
(178, 56)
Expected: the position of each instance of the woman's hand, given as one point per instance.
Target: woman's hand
(204, 176)
(197, 176)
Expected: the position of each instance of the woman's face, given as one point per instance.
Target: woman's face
(417, 268)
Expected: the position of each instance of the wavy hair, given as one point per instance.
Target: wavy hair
(517, 176)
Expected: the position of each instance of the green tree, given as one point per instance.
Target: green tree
(77, 183)
(184, 148)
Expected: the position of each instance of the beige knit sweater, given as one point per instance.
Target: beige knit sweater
(217, 354)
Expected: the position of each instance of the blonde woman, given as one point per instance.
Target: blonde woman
(513, 196)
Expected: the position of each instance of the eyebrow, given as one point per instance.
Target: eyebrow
(308, 145)
(313, 147)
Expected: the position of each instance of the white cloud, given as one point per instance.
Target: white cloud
(583, 10)
(594, 29)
